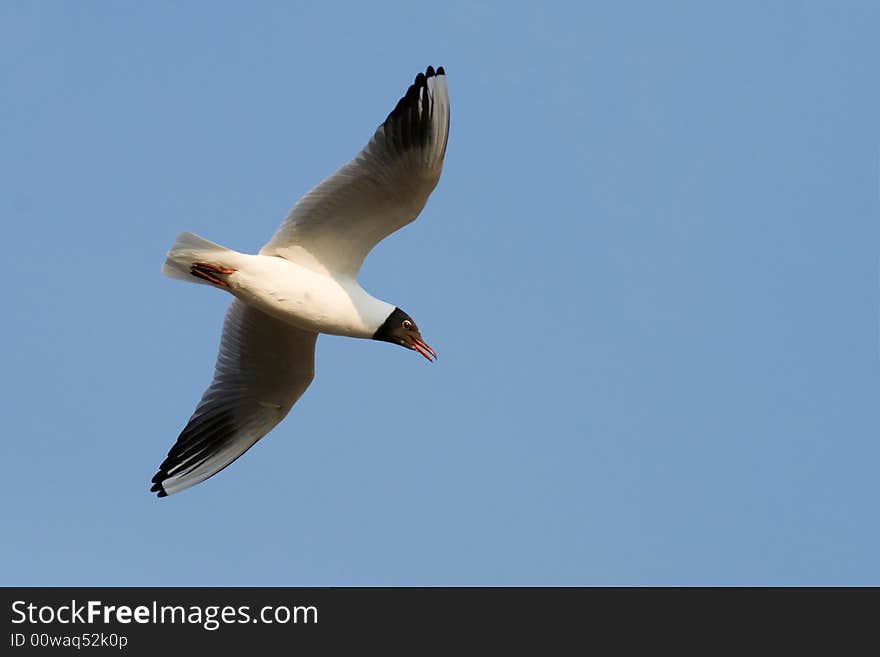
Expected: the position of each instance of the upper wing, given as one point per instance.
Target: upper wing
(263, 367)
(334, 226)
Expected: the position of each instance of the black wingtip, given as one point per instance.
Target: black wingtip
(440, 71)
(157, 486)
(409, 123)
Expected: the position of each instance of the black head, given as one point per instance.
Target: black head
(400, 328)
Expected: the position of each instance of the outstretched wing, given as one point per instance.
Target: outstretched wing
(263, 367)
(333, 227)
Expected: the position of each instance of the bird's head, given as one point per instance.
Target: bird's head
(400, 328)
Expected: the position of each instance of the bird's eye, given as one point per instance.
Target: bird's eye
(407, 324)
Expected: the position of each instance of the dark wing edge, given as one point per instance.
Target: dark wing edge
(383, 188)
(263, 367)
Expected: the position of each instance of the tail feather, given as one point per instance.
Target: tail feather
(189, 250)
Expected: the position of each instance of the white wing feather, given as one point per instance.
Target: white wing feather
(333, 227)
(263, 367)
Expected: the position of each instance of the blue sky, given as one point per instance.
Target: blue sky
(650, 270)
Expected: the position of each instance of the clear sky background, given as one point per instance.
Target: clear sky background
(650, 270)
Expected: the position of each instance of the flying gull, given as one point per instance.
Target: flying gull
(304, 282)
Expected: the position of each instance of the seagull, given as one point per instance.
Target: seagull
(304, 282)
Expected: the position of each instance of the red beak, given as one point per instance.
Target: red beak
(419, 345)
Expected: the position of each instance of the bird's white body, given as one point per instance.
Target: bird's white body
(303, 282)
(304, 298)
